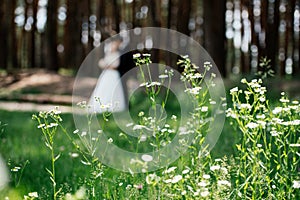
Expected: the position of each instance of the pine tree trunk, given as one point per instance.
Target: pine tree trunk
(51, 35)
(3, 35)
(214, 32)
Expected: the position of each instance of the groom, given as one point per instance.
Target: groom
(126, 64)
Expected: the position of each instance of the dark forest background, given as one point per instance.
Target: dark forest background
(55, 34)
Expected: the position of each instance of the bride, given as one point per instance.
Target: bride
(108, 95)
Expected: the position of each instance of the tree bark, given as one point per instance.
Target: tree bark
(3, 35)
(117, 15)
(51, 35)
(170, 6)
(183, 16)
(33, 31)
(13, 50)
(214, 32)
(272, 36)
(72, 36)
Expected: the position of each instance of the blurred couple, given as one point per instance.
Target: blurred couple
(110, 93)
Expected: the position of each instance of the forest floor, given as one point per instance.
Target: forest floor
(36, 90)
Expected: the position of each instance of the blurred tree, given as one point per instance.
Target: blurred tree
(72, 36)
(34, 5)
(51, 35)
(13, 48)
(3, 35)
(117, 13)
(214, 32)
(272, 32)
(183, 16)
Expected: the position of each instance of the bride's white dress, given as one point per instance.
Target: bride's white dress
(108, 94)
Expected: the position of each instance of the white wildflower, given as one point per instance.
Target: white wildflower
(174, 117)
(143, 84)
(262, 99)
(168, 180)
(245, 106)
(74, 155)
(154, 83)
(128, 187)
(295, 122)
(152, 179)
(202, 184)
(143, 138)
(162, 76)
(33, 194)
(296, 184)
(215, 167)
(204, 109)
(141, 114)
(224, 182)
(147, 158)
(206, 176)
(110, 140)
(204, 193)
(212, 102)
(41, 126)
(262, 123)
(83, 133)
(262, 116)
(243, 80)
(282, 100)
(274, 133)
(129, 124)
(207, 65)
(171, 169)
(99, 131)
(137, 55)
(15, 169)
(294, 145)
(185, 171)
(277, 110)
(76, 131)
(138, 127)
(252, 125)
(80, 194)
(224, 169)
(233, 90)
(176, 178)
(196, 76)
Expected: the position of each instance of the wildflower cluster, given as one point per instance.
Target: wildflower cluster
(48, 122)
(203, 179)
(267, 155)
(265, 164)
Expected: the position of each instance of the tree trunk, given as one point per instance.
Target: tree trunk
(170, 6)
(183, 16)
(214, 32)
(3, 35)
(33, 31)
(51, 35)
(117, 15)
(272, 36)
(73, 36)
(13, 50)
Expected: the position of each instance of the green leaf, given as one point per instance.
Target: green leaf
(49, 172)
(57, 157)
